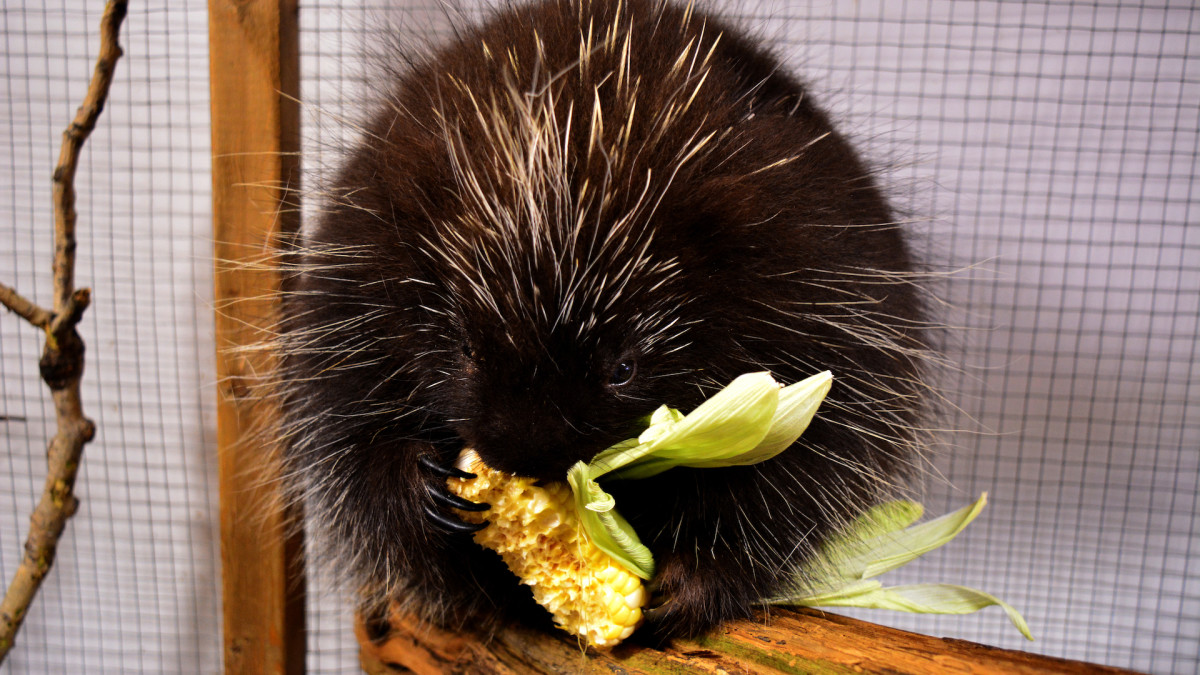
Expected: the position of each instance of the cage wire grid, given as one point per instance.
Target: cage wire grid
(136, 584)
(1049, 150)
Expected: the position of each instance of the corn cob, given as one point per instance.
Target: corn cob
(537, 533)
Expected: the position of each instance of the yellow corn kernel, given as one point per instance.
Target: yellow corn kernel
(535, 530)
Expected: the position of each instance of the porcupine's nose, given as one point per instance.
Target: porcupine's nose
(528, 440)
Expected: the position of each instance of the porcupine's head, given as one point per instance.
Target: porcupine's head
(572, 215)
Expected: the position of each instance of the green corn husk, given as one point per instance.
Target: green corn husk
(750, 421)
(883, 539)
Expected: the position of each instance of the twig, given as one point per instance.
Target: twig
(61, 364)
(26, 309)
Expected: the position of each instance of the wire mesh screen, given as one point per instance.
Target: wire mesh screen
(1048, 152)
(136, 584)
(1047, 149)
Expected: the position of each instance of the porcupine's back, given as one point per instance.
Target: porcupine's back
(565, 218)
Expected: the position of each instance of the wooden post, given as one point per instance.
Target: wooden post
(254, 68)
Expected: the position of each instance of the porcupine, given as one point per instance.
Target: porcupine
(567, 216)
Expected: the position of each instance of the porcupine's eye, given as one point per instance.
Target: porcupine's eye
(622, 373)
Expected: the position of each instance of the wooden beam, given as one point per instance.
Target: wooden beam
(786, 641)
(254, 70)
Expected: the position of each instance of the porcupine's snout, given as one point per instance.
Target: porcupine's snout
(529, 438)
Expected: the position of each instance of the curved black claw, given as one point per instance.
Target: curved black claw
(659, 602)
(453, 501)
(433, 467)
(451, 525)
(656, 613)
(444, 499)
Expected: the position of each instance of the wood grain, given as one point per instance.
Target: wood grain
(254, 68)
(786, 641)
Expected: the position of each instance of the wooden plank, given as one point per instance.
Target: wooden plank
(254, 69)
(785, 641)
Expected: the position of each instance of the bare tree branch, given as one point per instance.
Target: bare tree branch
(61, 364)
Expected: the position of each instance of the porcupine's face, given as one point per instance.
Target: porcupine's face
(567, 275)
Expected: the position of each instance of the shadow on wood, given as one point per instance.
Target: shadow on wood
(783, 641)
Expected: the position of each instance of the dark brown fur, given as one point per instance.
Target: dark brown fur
(418, 320)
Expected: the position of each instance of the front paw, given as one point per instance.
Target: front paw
(688, 600)
(439, 500)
